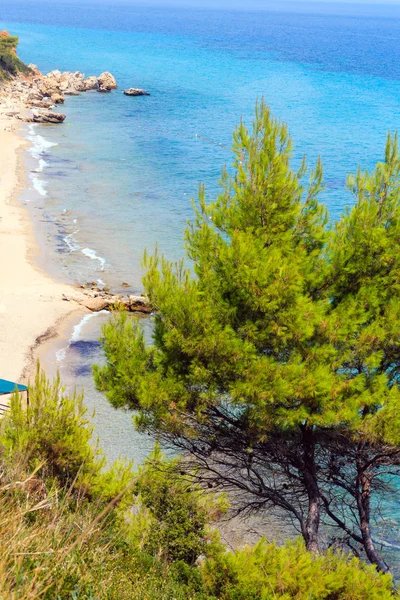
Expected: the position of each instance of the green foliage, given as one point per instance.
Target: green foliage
(10, 64)
(75, 551)
(53, 437)
(55, 544)
(279, 349)
(171, 521)
(257, 256)
(268, 572)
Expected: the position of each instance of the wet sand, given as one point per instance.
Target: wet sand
(32, 307)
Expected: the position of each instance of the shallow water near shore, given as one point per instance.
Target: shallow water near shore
(118, 176)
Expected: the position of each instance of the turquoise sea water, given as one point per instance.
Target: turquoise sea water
(124, 169)
(118, 176)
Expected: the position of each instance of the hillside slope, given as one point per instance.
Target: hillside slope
(10, 64)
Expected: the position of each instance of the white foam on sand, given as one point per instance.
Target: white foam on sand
(42, 165)
(76, 334)
(39, 145)
(71, 241)
(39, 149)
(94, 256)
(39, 185)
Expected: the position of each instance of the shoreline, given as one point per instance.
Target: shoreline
(32, 304)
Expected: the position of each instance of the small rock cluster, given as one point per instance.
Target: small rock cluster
(96, 300)
(40, 93)
(106, 301)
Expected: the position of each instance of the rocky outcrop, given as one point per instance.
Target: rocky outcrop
(96, 300)
(110, 302)
(34, 96)
(45, 103)
(71, 92)
(47, 116)
(107, 82)
(91, 83)
(49, 86)
(35, 70)
(57, 98)
(40, 92)
(136, 92)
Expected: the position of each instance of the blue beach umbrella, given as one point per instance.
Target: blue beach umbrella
(9, 387)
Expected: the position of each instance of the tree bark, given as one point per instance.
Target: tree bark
(311, 529)
(363, 497)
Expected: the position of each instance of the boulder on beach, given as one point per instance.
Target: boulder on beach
(77, 82)
(49, 86)
(136, 92)
(45, 103)
(40, 93)
(97, 301)
(106, 82)
(71, 92)
(34, 96)
(47, 116)
(57, 98)
(97, 304)
(35, 70)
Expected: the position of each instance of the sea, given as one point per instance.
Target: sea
(119, 176)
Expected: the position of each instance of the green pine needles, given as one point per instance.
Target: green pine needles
(275, 360)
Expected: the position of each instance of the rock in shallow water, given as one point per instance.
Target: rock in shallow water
(47, 116)
(136, 92)
(91, 83)
(106, 82)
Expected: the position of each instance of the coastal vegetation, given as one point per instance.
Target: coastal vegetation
(10, 64)
(71, 528)
(270, 385)
(275, 356)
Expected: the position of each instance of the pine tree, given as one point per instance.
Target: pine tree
(275, 353)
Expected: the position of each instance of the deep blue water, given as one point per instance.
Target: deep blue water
(124, 169)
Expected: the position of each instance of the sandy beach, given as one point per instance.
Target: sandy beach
(31, 303)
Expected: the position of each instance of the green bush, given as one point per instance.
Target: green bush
(10, 64)
(172, 516)
(69, 532)
(53, 436)
(268, 572)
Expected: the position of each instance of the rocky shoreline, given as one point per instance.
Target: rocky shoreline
(97, 300)
(32, 97)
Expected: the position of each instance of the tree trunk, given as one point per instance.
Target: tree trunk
(311, 529)
(363, 496)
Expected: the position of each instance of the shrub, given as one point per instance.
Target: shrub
(10, 64)
(53, 436)
(172, 516)
(57, 544)
(289, 572)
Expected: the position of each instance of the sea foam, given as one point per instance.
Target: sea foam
(76, 334)
(39, 185)
(71, 241)
(39, 149)
(39, 145)
(94, 256)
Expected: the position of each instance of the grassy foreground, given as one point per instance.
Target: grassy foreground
(70, 528)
